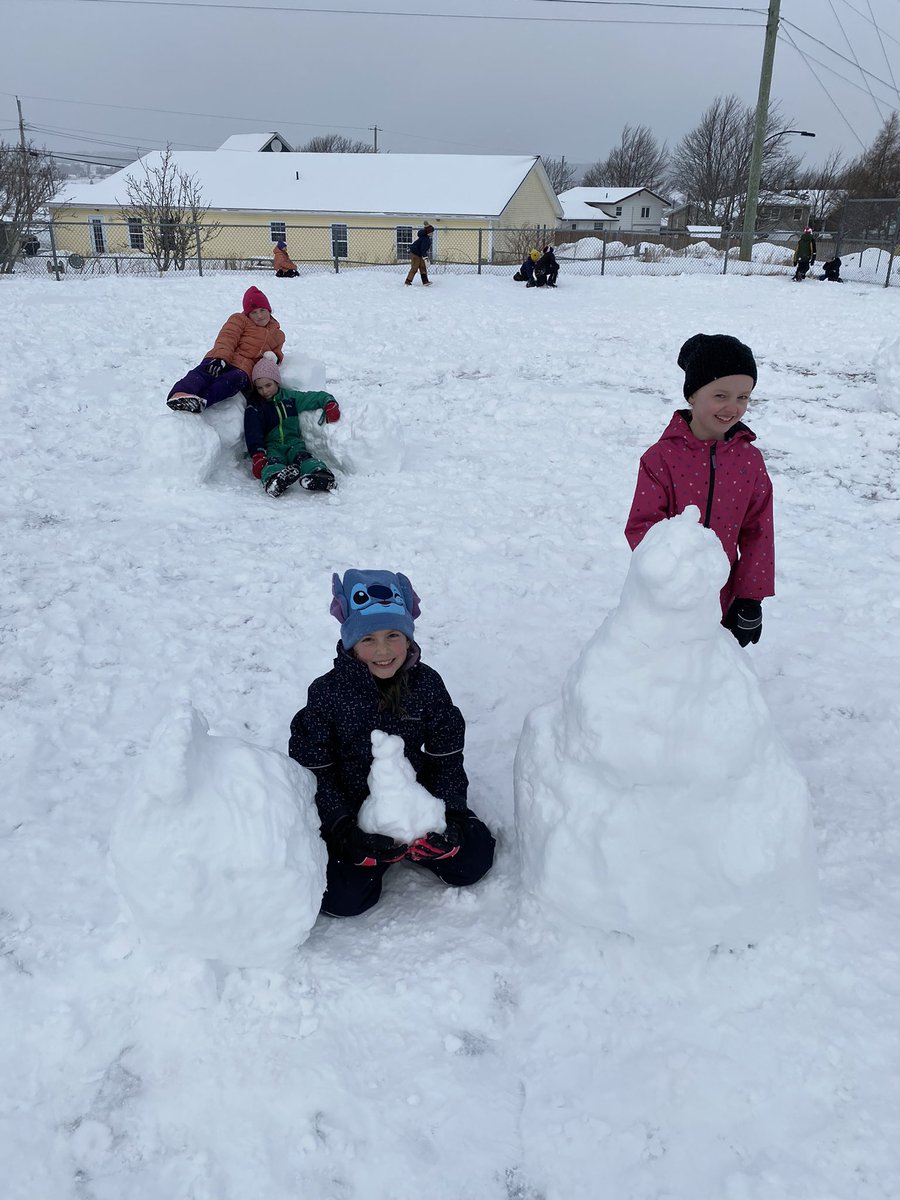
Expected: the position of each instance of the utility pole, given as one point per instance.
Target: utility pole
(762, 114)
(374, 129)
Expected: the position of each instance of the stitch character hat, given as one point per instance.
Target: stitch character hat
(366, 601)
(708, 356)
(266, 368)
(253, 298)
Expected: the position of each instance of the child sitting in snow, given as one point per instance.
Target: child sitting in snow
(285, 267)
(379, 682)
(832, 270)
(706, 457)
(226, 369)
(272, 432)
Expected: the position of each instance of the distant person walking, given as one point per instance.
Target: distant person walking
(804, 255)
(418, 251)
(284, 267)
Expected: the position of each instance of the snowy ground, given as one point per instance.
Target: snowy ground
(455, 1045)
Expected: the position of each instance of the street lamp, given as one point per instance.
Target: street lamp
(750, 205)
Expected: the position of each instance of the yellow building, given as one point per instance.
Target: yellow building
(350, 209)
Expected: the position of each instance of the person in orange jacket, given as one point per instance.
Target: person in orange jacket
(226, 369)
(284, 267)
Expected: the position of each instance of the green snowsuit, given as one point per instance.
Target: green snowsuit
(273, 426)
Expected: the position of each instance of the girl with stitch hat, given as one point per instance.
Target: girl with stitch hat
(225, 370)
(378, 682)
(706, 457)
(278, 453)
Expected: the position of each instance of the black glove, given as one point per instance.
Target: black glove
(744, 620)
(215, 367)
(435, 846)
(349, 843)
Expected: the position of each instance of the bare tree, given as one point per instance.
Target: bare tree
(168, 203)
(560, 173)
(824, 186)
(637, 161)
(711, 164)
(876, 172)
(335, 143)
(28, 182)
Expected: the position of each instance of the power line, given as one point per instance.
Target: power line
(843, 57)
(369, 12)
(879, 31)
(806, 63)
(855, 59)
(872, 21)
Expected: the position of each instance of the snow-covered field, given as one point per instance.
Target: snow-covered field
(455, 1045)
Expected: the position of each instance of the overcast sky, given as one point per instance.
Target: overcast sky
(565, 80)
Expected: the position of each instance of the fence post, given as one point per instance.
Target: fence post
(53, 252)
(199, 254)
(603, 258)
(337, 265)
(479, 250)
(840, 231)
(727, 248)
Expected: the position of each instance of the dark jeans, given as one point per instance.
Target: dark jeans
(352, 890)
(199, 383)
(802, 268)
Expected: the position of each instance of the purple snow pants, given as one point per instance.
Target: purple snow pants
(199, 383)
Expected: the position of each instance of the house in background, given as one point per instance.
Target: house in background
(259, 143)
(363, 208)
(627, 210)
(788, 212)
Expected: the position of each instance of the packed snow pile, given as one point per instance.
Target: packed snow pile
(397, 806)
(655, 798)
(216, 847)
(887, 374)
(589, 247)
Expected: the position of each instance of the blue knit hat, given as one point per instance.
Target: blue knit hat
(366, 601)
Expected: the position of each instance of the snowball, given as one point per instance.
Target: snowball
(216, 850)
(397, 806)
(655, 798)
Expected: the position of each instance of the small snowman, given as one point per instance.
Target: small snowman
(397, 806)
(216, 849)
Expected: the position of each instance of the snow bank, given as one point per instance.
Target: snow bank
(216, 848)
(887, 374)
(397, 806)
(655, 798)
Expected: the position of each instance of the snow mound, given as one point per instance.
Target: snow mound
(887, 375)
(397, 806)
(655, 798)
(365, 440)
(216, 848)
(185, 448)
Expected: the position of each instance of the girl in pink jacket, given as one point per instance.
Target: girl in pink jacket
(706, 457)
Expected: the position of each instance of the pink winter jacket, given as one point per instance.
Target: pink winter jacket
(728, 482)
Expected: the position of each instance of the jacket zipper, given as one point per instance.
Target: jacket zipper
(712, 484)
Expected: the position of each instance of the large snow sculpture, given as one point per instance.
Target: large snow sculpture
(655, 798)
(216, 851)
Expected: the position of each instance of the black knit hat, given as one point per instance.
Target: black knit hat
(708, 356)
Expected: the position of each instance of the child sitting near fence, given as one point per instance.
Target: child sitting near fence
(278, 453)
(285, 268)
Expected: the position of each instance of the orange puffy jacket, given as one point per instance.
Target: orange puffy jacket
(241, 343)
(281, 262)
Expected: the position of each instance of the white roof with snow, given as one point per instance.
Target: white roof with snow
(253, 142)
(429, 185)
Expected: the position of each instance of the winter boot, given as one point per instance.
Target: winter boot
(282, 481)
(184, 402)
(318, 481)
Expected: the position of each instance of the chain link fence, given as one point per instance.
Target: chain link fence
(866, 240)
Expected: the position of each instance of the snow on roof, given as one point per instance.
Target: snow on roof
(427, 185)
(253, 141)
(579, 199)
(577, 210)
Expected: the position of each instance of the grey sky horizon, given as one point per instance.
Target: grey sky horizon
(562, 82)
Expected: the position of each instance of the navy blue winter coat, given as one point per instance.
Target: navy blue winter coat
(331, 736)
(422, 244)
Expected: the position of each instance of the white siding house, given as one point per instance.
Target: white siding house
(628, 209)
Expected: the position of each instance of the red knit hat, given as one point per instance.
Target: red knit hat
(253, 298)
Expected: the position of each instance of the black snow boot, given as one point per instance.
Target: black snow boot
(282, 481)
(318, 481)
(185, 403)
